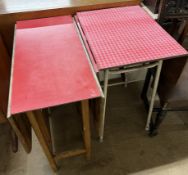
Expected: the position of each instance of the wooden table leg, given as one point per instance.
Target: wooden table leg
(14, 141)
(32, 116)
(22, 131)
(183, 33)
(97, 107)
(44, 126)
(86, 127)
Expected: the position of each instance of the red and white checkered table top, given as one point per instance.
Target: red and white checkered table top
(126, 35)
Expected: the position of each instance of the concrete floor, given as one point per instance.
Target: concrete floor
(126, 150)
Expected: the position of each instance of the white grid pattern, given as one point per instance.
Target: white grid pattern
(126, 35)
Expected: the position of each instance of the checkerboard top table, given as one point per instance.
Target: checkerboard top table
(49, 66)
(126, 35)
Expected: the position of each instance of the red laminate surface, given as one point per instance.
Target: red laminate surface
(44, 22)
(126, 35)
(49, 67)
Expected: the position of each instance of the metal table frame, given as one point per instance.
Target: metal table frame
(108, 72)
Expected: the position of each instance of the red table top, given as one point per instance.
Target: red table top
(126, 35)
(49, 66)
